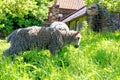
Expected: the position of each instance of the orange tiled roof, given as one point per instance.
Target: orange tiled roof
(70, 4)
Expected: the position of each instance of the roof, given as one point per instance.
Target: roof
(70, 4)
(75, 14)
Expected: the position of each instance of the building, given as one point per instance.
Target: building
(62, 8)
(98, 18)
(74, 20)
(73, 13)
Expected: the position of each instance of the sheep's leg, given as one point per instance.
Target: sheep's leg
(12, 51)
(9, 52)
(53, 47)
(53, 51)
(6, 52)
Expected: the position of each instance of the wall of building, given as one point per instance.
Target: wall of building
(57, 14)
(65, 12)
(76, 24)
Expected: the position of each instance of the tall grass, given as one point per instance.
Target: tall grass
(97, 58)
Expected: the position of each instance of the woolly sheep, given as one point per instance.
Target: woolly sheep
(60, 26)
(39, 38)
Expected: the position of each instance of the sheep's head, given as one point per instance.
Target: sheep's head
(77, 38)
(93, 9)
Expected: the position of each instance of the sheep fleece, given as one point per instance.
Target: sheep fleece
(60, 26)
(34, 37)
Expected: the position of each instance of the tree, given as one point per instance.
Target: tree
(22, 13)
(112, 5)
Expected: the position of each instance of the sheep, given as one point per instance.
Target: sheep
(59, 25)
(24, 39)
(100, 19)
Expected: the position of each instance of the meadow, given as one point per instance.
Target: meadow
(97, 58)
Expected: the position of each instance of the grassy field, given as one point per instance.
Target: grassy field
(97, 58)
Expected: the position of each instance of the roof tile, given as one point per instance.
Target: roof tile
(70, 4)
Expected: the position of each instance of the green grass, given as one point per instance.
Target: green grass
(97, 58)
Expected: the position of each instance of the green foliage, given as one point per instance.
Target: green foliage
(97, 58)
(111, 5)
(22, 13)
(88, 2)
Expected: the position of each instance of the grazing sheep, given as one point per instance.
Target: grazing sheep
(60, 26)
(39, 38)
(100, 19)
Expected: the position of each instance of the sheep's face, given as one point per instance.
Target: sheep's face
(77, 39)
(92, 9)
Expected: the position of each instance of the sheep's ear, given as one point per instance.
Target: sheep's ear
(76, 33)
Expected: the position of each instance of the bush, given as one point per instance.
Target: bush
(17, 14)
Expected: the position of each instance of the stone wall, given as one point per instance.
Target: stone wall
(100, 19)
(55, 12)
